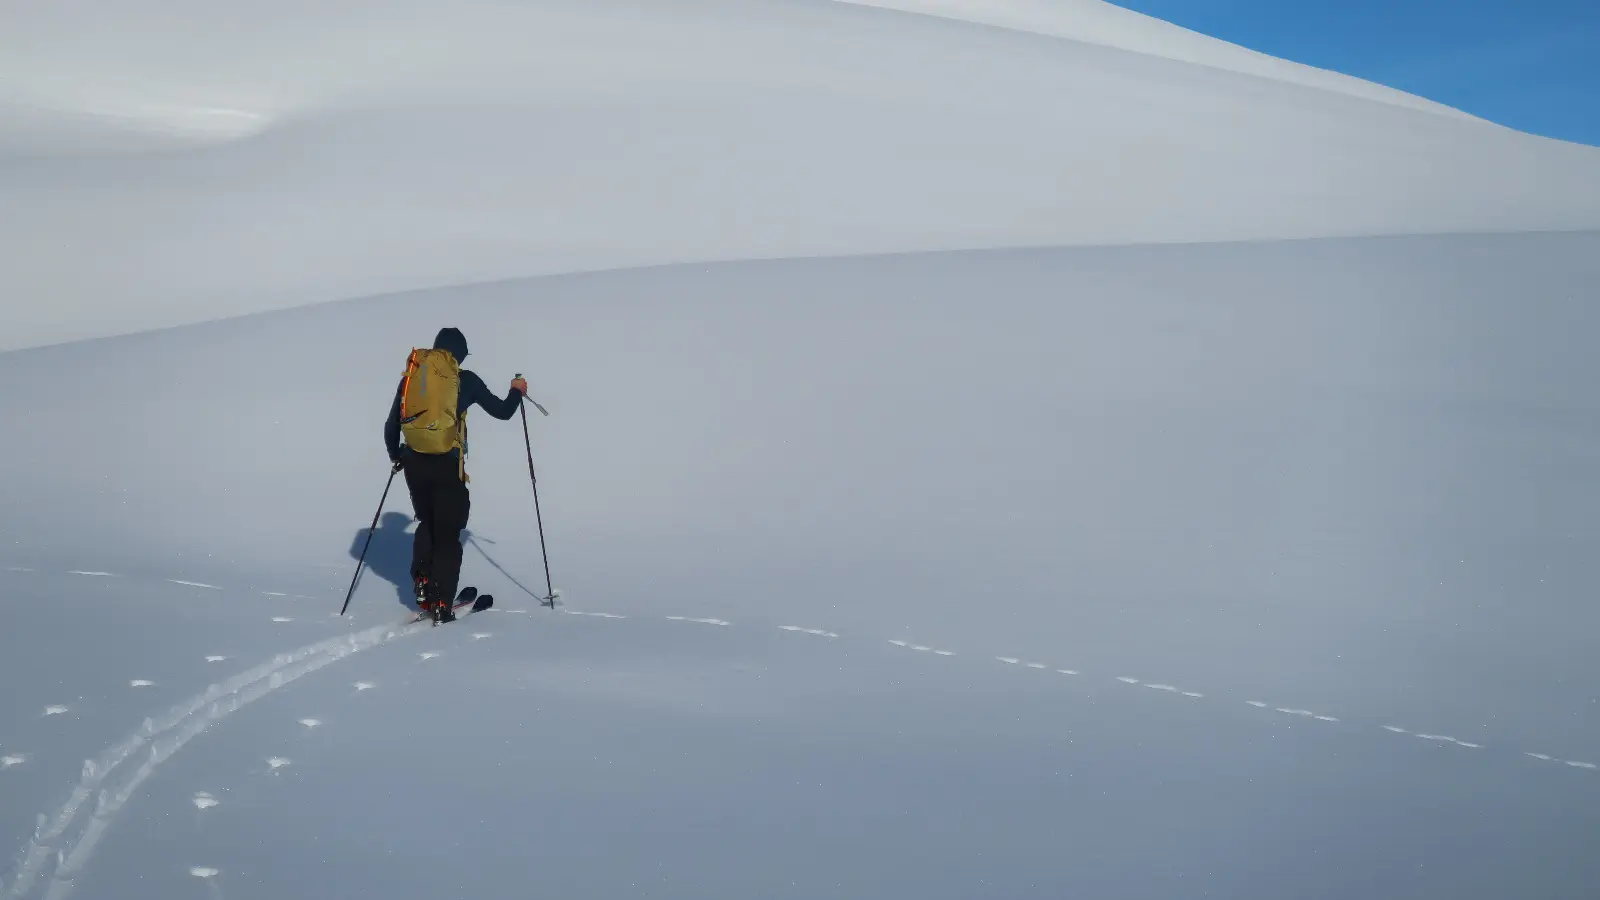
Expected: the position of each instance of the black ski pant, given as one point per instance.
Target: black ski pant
(441, 502)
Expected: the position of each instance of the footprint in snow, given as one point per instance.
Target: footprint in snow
(428, 655)
(203, 800)
(480, 635)
(1126, 680)
(140, 682)
(215, 659)
(311, 723)
(277, 762)
(364, 686)
(282, 619)
(55, 710)
(15, 759)
(203, 872)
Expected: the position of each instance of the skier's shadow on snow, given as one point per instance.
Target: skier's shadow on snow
(389, 557)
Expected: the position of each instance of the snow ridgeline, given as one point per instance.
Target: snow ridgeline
(1021, 142)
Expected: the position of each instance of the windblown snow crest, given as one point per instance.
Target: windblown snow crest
(1099, 22)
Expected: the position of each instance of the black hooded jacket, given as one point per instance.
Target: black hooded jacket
(473, 390)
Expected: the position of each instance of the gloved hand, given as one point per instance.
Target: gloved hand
(520, 384)
(395, 465)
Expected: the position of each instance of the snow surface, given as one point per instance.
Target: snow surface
(1099, 22)
(193, 160)
(1244, 568)
(1256, 569)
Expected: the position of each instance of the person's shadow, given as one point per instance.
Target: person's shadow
(389, 557)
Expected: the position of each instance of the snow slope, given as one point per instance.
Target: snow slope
(640, 756)
(1245, 567)
(189, 161)
(1255, 569)
(1099, 22)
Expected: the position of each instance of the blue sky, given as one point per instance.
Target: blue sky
(1533, 65)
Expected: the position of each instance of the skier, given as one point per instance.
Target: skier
(430, 410)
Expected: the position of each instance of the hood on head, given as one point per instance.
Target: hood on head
(453, 340)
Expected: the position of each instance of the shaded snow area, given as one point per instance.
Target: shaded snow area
(1252, 570)
(1006, 449)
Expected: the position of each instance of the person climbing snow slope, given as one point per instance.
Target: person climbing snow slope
(430, 412)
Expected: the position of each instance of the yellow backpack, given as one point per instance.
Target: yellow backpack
(429, 420)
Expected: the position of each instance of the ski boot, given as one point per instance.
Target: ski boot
(419, 588)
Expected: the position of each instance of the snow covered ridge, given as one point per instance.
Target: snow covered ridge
(470, 141)
(1099, 22)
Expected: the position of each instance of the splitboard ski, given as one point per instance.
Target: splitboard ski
(468, 596)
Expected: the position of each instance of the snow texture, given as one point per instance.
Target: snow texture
(967, 489)
(430, 143)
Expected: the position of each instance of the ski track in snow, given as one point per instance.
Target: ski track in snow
(66, 854)
(52, 848)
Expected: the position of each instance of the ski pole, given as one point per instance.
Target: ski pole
(550, 598)
(370, 532)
